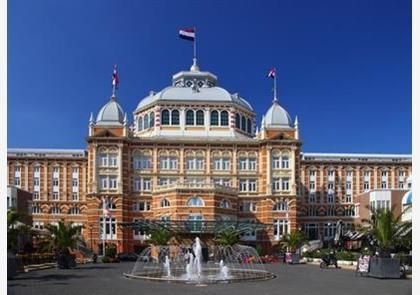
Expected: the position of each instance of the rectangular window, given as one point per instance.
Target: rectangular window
(401, 184)
(247, 185)
(142, 162)
(222, 181)
(312, 185)
(276, 163)
(75, 182)
(330, 172)
(112, 182)
(103, 182)
(330, 185)
(281, 228)
(248, 207)
(311, 198)
(366, 185)
(285, 162)
(312, 173)
(276, 184)
(285, 184)
(75, 196)
(348, 198)
(103, 160)
(330, 198)
(17, 181)
(56, 169)
(55, 182)
(108, 228)
(36, 196)
(55, 196)
(348, 185)
(113, 160)
(37, 169)
(36, 181)
(384, 185)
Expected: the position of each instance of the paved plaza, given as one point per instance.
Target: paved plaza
(94, 279)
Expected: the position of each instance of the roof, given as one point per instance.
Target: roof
(349, 157)
(111, 113)
(276, 116)
(56, 153)
(187, 94)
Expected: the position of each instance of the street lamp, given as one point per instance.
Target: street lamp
(91, 236)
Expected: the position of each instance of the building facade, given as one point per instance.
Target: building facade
(195, 152)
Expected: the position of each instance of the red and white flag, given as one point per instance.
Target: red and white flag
(272, 73)
(105, 209)
(115, 79)
(187, 34)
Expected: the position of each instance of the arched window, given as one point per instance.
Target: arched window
(238, 121)
(243, 124)
(165, 117)
(175, 117)
(195, 202)
(224, 118)
(249, 126)
(214, 118)
(140, 124)
(225, 204)
(146, 121)
(152, 119)
(190, 117)
(199, 118)
(74, 211)
(165, 203)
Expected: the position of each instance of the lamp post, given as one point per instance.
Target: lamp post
(91, 236)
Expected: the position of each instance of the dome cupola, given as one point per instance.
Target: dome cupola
(277, 117)
(111, 113)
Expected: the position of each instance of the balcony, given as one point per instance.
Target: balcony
(201, 186)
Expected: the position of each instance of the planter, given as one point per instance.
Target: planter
(292, 258)
(384, 268)
(12, 266)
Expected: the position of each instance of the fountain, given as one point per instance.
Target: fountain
(186, 264)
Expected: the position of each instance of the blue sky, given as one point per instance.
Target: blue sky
(344, 67)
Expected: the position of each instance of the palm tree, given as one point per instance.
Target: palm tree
(293, 240)
(387, 230)
(16, 230)
(160, 236)
(228, 237)
(62, 236)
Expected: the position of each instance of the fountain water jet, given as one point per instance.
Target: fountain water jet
(225, 264)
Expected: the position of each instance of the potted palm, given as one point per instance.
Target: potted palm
(228, 237)
(291, 242)
(62, 237)
(387, 232)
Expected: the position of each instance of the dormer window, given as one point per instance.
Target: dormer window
(190, 117)
(170, 117)
(175, 117)
(199, 118)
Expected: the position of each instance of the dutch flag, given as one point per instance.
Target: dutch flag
(187, 34)
(272, 73)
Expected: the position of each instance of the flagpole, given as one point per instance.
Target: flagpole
(275, 85)
(195, 47)
(104, 227)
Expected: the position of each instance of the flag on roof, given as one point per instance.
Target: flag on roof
(115, 78)
(187, 34)
(272, 73)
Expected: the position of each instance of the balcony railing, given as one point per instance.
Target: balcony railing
(207, 186)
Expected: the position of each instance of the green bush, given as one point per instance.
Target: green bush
(105, 259)
(347, 255)
(259, 250)
(110, 251)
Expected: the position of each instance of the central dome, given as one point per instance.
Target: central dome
(193, 86)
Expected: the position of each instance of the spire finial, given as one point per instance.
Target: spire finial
(195, 67)
(296, 122)
(91, 119)
(263, 122)
(125, 119)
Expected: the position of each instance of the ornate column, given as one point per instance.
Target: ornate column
(27, 176)
(94, 180)
(356, 189)
(321, 187)
(65, 192)
(120, 168)
(45, 180)
(268, 188)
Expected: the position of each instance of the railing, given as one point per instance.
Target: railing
(210, 186)
(29, 259)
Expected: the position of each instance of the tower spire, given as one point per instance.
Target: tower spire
(115, 80)
(272, 74)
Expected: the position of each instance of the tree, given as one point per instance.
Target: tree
(293, 240)
(62, 236)
(16, 230)
(160, 236)
(228, 237)
(387, 231)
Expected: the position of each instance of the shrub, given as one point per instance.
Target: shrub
(105, 259)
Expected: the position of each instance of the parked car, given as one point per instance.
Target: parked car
(127, 256)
